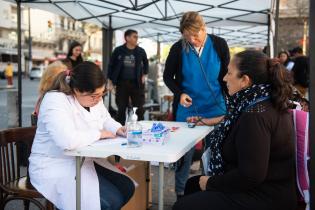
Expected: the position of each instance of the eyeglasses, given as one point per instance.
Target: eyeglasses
(94, 97)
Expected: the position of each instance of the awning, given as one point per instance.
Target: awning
(240, 22)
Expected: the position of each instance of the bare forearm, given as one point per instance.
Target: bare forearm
(213, 121)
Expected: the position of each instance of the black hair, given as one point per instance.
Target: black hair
(85, 77)
(288, 57)
(129, 32)
(263, 70)
(297, 50)
(72, 46)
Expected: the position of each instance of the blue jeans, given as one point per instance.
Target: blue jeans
(115, 189)
(182, 170)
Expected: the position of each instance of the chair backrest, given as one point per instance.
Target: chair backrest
(13, 142)
(301, 126)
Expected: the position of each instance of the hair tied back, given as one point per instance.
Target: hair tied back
(68, 76)
(273, 62)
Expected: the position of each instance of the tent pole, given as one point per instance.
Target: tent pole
(19, 34)
(158, 52)
(275, 44)
(268, 38)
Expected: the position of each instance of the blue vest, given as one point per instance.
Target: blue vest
(206, 102)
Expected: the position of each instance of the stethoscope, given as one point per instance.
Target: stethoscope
(205, 76)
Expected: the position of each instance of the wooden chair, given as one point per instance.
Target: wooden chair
(13, 186)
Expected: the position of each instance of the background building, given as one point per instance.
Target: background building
(293, 24)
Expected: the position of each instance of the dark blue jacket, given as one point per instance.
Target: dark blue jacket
(116, 63)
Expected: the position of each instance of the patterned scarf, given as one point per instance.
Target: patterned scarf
(236, 105)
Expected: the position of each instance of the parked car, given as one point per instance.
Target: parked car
(36, 72)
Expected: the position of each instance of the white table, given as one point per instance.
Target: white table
(180, 142)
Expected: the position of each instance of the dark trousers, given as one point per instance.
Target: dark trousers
(10, 80)
(126, 90)
(195, 198)
(182, 169)
(202, 200)
(115, 189)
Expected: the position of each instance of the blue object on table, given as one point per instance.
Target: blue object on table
(157, 127)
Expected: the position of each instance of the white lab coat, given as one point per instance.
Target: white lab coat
(64, 124)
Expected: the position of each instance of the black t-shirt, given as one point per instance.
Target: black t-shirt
(128, 71)
(74, 63)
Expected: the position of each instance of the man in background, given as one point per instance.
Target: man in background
(300, 70)
(127, 69)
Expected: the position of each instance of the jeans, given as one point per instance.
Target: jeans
(182, 170)
(115, 189)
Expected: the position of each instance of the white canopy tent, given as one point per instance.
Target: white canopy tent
(240, 22)
(246, 23)
(243, 23)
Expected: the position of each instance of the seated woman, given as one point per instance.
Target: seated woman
(72, 115)
(251, 161)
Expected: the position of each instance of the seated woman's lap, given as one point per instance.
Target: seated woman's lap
(202, 200)
(205, 200)
(197, 199)
(115, 189)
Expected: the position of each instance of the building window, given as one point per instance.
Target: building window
(13, 14)
(62, 22)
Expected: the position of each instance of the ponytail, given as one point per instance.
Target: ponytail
(263, 70)
(280, 84)
(62, 83)
(85, 77)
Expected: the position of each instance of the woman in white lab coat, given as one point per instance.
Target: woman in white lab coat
(72, 115)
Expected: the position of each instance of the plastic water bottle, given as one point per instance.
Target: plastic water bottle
(134, 131)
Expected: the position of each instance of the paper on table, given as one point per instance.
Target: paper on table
(106, 142)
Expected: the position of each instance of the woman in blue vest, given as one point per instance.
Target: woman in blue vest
(194, 72)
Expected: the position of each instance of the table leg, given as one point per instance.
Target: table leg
(148, 181)
(161, 186)
(78, 183)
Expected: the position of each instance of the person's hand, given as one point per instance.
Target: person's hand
(205, 121)
(122, 131)
(185, 100)
(107, 134)
(193, 119)
(203, 182)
